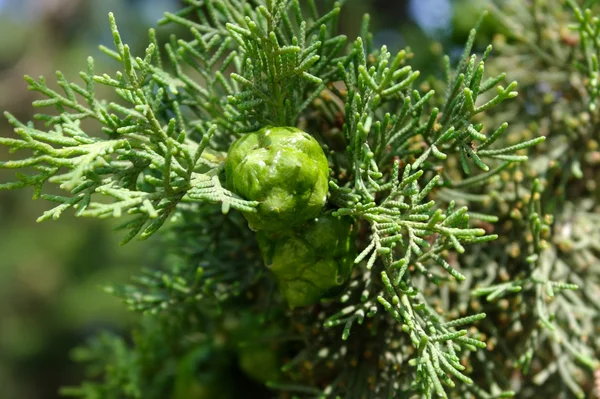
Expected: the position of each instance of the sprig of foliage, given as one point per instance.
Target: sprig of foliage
(147, 166)
(531, 282)
(148, 368)
(254, 66)
(205, 264)
(588, 27)
(423, 173)
(559, 319)
(281, 65)
(384, 119)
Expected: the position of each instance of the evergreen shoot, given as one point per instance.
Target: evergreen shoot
(454, 253)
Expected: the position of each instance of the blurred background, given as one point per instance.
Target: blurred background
(51, 274)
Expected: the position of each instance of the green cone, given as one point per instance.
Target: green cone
(313, 261)
(284, 169)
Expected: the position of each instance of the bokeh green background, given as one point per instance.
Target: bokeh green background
(51, 274)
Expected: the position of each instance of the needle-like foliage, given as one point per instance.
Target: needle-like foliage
(462, 275)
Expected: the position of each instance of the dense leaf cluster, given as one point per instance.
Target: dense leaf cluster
(462, 221)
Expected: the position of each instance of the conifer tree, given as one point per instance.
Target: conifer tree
(335, 225)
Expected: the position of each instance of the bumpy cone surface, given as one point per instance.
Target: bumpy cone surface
(313, 261)
(284, 169)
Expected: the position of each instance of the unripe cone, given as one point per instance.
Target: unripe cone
(313, 261)
(285, 170)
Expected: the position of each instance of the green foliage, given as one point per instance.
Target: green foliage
(205, 263)
(456, 215)
(126, 373)
(190, 366)
(147, 165)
